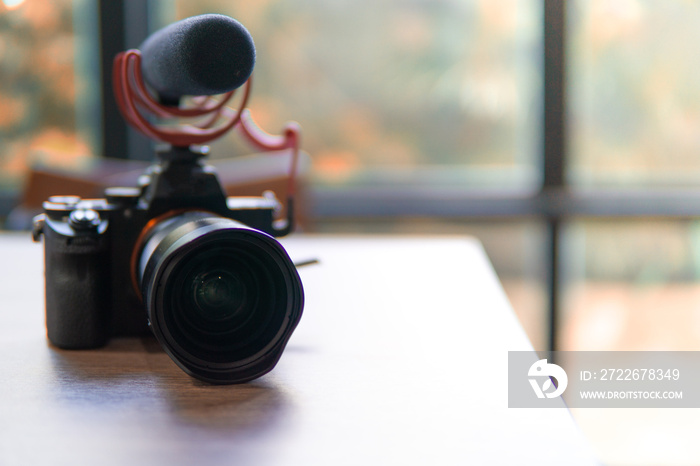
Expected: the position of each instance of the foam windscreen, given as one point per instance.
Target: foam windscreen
(202, 55)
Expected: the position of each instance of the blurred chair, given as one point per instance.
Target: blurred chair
(249, 175)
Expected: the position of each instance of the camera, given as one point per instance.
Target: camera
(202, 270)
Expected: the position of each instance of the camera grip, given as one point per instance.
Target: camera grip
(77, 289)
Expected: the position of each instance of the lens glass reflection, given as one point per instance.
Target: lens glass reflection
(218, 294)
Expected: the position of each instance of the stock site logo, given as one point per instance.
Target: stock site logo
(542, 373)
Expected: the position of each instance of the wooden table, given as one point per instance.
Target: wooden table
(400, 358)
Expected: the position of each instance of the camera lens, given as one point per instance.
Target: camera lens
(222, 298)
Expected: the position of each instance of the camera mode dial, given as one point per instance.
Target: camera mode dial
(84, 219)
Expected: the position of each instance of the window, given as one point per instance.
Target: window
(49, 92)
(414, 93)
(634, 94)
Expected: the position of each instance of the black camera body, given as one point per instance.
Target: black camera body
(203, 271)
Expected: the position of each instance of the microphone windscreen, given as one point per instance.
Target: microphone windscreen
(202, 55)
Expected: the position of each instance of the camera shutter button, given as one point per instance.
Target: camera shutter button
(84, 219)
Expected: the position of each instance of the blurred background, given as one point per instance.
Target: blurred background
(565, 135)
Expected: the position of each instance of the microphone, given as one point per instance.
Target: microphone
(201, 55)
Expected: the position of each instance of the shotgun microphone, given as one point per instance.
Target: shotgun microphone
(202, 55)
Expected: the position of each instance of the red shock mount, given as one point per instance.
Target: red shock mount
(133, 98)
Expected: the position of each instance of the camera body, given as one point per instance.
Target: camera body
(119, 265)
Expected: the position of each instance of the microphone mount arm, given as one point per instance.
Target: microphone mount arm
(133, 99)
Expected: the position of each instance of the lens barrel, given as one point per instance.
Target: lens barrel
(222, 298)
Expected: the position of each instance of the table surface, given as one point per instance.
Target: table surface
(400, 358)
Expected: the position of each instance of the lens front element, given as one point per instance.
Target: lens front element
(222, 298)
